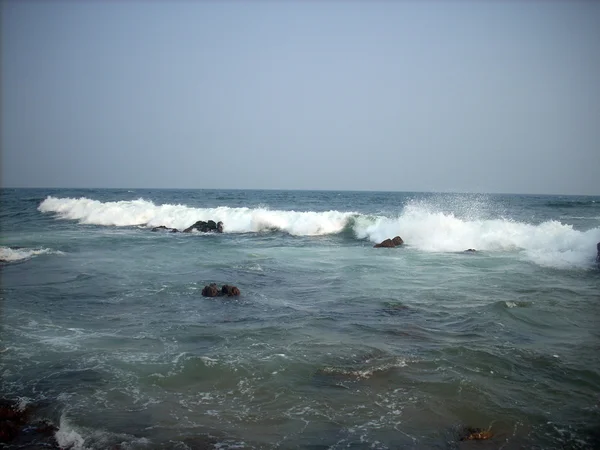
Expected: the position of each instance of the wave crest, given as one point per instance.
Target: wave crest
(426, 227)
(236, 220)
(14, 254)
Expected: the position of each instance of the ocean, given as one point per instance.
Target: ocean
(332, 343)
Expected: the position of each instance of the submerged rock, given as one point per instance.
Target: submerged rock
(206, 227)
(390, 243)
(475, 434)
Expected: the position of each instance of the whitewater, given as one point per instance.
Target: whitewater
(105, 335)
(550, 243)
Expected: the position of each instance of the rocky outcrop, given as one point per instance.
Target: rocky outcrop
(19, 430)
(206, 227)
(212, 290)
(470, 250)
(390, 243)
(162, 227)
(598, 255)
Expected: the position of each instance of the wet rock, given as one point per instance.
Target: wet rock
(470, 250)
(475, 434)
(162, 227)
(230, 291)
(9, 410)
(17, 429)
(390, 243)
(385, 244)
(210, 290)
(206, 227)
(397, 241)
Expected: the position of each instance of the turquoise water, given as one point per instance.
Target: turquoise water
(332, 344)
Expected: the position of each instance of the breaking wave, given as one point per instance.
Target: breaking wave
(14, 254)
(422, 226)
(236, 220)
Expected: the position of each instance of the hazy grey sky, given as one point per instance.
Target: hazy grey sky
(429, 96)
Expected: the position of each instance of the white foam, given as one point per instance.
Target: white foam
(366, 372)
(67, 437)
(236, 220)
(8, 254)
(209, 362)
(551, 243)
(429, 227)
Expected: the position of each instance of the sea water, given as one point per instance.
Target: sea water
(332, 343)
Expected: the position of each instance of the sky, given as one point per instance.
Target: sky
(500, 96)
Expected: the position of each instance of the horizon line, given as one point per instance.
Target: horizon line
(301, 190)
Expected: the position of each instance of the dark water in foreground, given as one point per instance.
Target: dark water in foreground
(332, 344)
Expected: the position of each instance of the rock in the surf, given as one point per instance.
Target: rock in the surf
(470, 250)
(162, 227)
(230, 291)
(385, 244)
(397, 241)
(598, 255)
(390, 243)
(211, 290)
(18, 429)
(206, 227)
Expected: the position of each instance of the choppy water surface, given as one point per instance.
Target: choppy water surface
(332, 344)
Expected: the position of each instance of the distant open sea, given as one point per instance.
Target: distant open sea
(332, 344)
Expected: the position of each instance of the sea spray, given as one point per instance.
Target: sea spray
(425, 226)
(236, 220)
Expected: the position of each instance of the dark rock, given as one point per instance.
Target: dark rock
(470, 250)
(45, 427)
(598, 255)
(206, 227)
(385, 244)
(397, 241)
(390, 243)
(162, 227)
(211, 290)
(230, 291)
(475, 434)
(17, 429)
(12, 419)
(8, 431)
